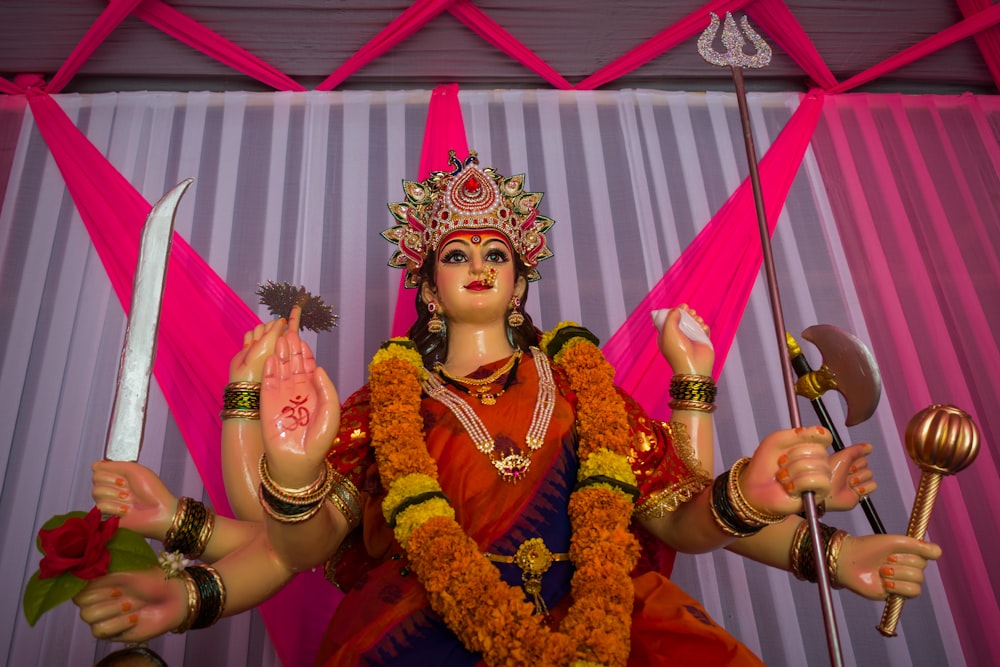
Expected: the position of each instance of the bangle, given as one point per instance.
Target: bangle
(294, 505)
(344, 495)
(193, 603)
(725, 518)
(286, 512)
(802, 558)
(206, 594)
(833, 550)
(241, 400)
(743, 509)
(686, 387)
(697, 406)
(191, 528)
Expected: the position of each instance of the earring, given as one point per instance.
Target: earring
(436, 325)
(515, 318)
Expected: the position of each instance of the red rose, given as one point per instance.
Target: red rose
(79, 546)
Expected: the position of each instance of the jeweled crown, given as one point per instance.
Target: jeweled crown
(466, 197)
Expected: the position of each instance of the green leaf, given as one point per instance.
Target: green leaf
(40, 595)
(130, 551)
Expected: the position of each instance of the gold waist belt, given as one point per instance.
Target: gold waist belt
(534, 559)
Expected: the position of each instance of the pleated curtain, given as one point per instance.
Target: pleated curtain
(889, 230)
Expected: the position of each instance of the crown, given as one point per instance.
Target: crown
(466, 197)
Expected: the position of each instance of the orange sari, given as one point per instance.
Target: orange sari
(385, 619)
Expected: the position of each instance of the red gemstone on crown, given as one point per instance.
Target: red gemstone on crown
(471, 185)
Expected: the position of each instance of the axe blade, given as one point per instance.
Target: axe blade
(852, 365)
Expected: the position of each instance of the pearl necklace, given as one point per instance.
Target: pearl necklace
(513, 467)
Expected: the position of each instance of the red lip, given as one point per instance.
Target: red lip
(477, 286)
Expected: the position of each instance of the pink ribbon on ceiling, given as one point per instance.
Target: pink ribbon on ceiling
(987, 40)
(113, 14)
(187, 30)
(947, 37)
(716, 272)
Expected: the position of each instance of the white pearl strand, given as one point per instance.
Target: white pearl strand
(512, 467)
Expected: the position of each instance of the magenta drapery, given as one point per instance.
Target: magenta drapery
(946, 37)
(109, 19)
(988, 40)
(183, 28)
(445, 131)
(918, 313)
(691, 25)
(716, 272)
(200, 315)
(407, 23)
(774, 18)
(493, 32)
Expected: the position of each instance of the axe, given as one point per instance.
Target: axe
(849, 368)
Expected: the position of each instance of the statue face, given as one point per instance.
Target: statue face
(475, 276)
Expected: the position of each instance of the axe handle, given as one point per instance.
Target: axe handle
(801, 367)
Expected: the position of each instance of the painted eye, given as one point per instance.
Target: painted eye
(496, 256)
(453, 257)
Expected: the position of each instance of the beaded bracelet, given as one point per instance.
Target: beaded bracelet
(241, 400)
(191, 528)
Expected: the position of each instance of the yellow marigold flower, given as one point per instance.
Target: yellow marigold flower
(413, 517)
(608, 464)
(549, 335)
(407, 487)
(399, 348)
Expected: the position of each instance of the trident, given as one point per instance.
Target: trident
(735, 59)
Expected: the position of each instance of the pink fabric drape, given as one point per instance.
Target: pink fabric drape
(691, 25)
(774, 18)
(445, 131)
(109, 19)
(407, 23)
(714, 274)
(987, 40)
(200, 315)
(197, 36)
(493, 32)
(936, 329)
(946, 37)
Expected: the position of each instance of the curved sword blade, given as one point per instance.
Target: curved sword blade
(128, 416)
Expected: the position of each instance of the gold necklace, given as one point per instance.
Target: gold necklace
(514, 466)
(479, 382)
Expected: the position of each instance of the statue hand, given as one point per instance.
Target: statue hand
(687, 350)
(852, 478)
(875, 566)
(134, 493)
(133, 606)
(299, 412)
(785, 465)
(247, 365)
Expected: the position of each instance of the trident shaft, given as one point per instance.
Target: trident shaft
(736, 60)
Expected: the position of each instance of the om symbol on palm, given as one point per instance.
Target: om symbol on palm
(295, 414)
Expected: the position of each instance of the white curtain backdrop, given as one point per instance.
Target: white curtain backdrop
(293, 187)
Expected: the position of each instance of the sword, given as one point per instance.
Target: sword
(128, 416)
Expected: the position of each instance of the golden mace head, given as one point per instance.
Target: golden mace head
(942, 439)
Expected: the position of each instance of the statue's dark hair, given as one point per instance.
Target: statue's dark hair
(434, 347)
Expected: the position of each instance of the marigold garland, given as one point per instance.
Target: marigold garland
(597, 627)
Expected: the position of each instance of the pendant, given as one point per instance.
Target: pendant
(513, 467)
